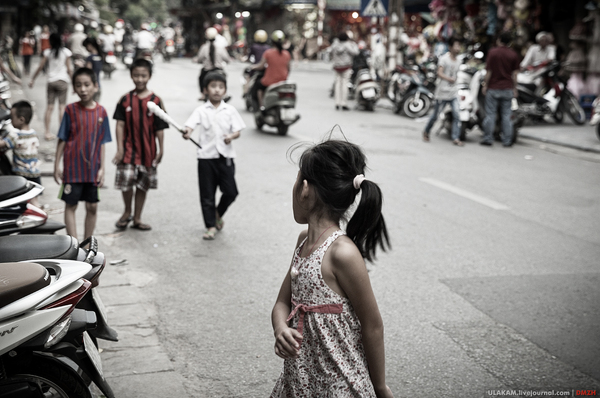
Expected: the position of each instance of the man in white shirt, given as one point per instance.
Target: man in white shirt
(107, 39)
(541, 52)
(220, 123)
(145, 40)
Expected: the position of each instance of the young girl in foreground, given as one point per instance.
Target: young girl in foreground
(333, 346)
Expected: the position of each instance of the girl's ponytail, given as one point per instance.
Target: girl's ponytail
(367, 227)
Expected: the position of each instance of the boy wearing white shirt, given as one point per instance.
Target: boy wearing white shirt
(220, 123)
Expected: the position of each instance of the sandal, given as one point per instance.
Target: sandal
(142, 226)
(123, 222)
(209, 235)
(219, 224)
(458, 143)
(425, 136)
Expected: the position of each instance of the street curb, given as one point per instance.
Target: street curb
(549, 141)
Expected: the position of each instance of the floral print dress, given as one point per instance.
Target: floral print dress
(331, 360)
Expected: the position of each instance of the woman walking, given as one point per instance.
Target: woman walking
(343, 50)
(58, 59)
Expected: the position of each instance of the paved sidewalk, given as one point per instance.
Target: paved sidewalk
(583, 138)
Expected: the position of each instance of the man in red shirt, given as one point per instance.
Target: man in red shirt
(499, 89)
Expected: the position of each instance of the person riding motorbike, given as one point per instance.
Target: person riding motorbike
(144, 41)
(107, 40)
(212, 56)
(276, 64)
(259, 47)
(76, 46)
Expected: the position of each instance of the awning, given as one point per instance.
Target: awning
(343, 4)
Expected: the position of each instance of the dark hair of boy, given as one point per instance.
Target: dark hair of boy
(23, 109)
(505, 38)
(331, 167)
(84, 71)
(453, 40)
(141, 63)
(214, 77)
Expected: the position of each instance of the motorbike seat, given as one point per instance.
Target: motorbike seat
(529, 86)
(31, 247)
(285, 85)
(18, 280)
(11, 186)
(4, 114)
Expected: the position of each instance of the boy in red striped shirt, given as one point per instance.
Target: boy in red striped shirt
(138, 156)
(83, 132)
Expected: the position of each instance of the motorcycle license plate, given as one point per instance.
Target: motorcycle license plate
(288, 113)
(464, 116)
(92, 352)
(368, 93)
(111, 59)
(170, 49)
(100, 305)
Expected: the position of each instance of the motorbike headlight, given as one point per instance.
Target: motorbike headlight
(57, 332)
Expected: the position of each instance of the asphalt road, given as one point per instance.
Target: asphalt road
(492, 281)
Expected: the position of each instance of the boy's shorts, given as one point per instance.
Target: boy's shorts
(142, 177)
(57, 89)
(74, 192)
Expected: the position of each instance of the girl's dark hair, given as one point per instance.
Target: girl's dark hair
(55, 43)
(343, 36)
(330, 167)
(279, 45)
(211, 52)
(94, 43)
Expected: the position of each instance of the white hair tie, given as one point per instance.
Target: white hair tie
(358, 180)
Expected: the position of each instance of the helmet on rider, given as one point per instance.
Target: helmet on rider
(277, 36)
(218, 27)
(108, 29)
(78, 27)
(260, 36)
(145, 26)
(211, 33)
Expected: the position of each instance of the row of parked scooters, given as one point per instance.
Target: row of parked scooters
(542, 93)
(51, 315)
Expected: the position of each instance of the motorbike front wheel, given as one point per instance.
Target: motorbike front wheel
(598, 130)
(53, 381)
(282, 128)
(259, 121)
(415, 108)
(573, 107)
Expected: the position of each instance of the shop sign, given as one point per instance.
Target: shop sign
(374, 8)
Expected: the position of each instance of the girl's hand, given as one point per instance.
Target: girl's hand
(58, 175)
(385, 393)
(31, 83)
(227, 139)
(287, 343)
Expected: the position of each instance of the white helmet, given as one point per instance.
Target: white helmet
(78, 27)
(94, 25)
(277, 36)
(108, 29)
(260, 36)
(211, 33)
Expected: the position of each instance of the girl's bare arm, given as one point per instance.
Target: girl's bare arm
(351, 273)
(287, 340)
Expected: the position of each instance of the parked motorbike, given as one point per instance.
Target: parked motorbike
(595, 120)
(408, 92)
(366, 90)
(65, 247)
(279, 105)
(553, 99)
(5, 92)
(17, 215)
(45, 349)
(5, 128)
(110, 64)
